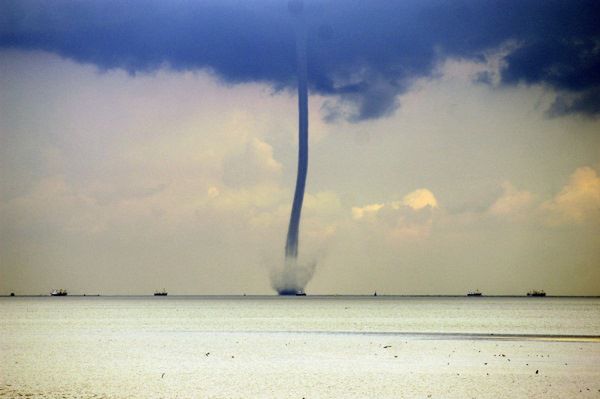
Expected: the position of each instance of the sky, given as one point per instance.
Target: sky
(147, 145)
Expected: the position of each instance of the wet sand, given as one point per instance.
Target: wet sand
(221, 349)
(263, 364)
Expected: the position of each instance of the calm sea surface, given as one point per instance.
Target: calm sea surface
(299, 346)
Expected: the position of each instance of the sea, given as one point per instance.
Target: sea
(299, 347)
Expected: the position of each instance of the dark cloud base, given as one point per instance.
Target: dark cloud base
(364, 52)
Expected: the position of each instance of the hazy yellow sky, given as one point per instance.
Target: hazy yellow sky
(116, 183)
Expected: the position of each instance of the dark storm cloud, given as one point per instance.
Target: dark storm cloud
(364, 52)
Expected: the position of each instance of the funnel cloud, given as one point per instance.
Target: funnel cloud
(294, 282)
(291, 247)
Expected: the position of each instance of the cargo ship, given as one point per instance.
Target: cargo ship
(536, 293)
(60, 292)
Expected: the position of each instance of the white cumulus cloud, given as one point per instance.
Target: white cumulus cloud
(578, 202)
(411, 217)
(512, 201)
(418, 199)
(359, 212)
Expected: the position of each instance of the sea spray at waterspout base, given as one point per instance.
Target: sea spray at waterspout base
(291, 276)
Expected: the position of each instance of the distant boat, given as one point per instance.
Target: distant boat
(375, 293)
(474, 293)
(536, 293)
(160, 293)
(60, 292)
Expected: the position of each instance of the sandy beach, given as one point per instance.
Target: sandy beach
(242, 365)
(177, 350)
